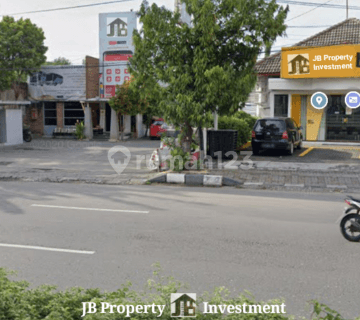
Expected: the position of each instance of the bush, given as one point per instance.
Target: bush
(20, 302)
(79, 130)
(250, 120)
(240, 125)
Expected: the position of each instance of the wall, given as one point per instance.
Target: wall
(36, 125)
(2, 126)
(14, 126)
(92, 77)
(259, 96)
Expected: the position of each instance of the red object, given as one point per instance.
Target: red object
(126, 71)
(117, 71)
(285, 135)
(117, 57)
(155, 128)
(108, 71)
(112, 43)
(117, 79)
(109, 91)
(253, 135)
(108, 79)
(126, 78)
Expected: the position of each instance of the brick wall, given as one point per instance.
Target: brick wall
(60, 114)
(92, 77)
(36, 125)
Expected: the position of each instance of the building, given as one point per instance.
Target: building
(12, 110)
(284, 87)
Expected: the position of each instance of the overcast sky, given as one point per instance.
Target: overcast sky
(73, 34)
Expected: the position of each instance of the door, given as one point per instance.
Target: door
(50, 119)
(108, 117)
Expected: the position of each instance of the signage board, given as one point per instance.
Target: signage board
(342, 61)
(116, 47)
(58, 82)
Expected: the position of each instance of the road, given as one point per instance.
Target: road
(271, 243)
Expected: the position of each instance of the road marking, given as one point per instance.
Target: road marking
(306, 152)
(44, 248)
(89, 209)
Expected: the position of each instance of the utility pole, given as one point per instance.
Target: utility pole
(347, 9)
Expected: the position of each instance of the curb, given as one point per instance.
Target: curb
(195, 180)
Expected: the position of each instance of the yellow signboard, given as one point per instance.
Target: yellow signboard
(341, 61)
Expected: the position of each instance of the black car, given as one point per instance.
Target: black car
(276, 133)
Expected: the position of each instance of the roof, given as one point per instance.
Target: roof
(18, 103)
(345, 32)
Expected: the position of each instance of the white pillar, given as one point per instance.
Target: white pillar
(14, 126)
(216, 120)
(205, 141)
(102, 115)
(127, 124)
(114, 126)
(88, 122)
(139, 125)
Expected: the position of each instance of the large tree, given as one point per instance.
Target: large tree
(208, 66)
(22, 51)
(58, 62)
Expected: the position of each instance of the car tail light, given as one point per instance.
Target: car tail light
(253, 135)
(285, 135)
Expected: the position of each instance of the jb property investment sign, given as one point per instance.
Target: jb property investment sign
(116, 47)
(341, 61)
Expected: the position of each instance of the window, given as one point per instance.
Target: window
(73, 111)
(281, 105)
(50, 118)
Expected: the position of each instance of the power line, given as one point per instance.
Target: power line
(316, 4)
(324, 26)
(321, 5)
(66, 8)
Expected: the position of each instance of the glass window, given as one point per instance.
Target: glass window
(50, 117)
(281, 104)
(73, 111)
(269, 124)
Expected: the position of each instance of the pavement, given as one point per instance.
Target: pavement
(274, 244)
(65, 160)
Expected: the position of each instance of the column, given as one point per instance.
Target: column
(114, 126)
(60, 114)
(139, 125)
(14, 126)
(102, 115)
(215, 120)
(127, 124)
(88, 122)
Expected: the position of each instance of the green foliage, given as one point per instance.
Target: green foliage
(240, 125)
(250, 120)
(79, 130)
(22, 51)
(19, 301)
(179, 158)
(59, 62)
(208, 66)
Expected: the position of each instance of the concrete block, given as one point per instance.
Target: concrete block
(333, 186)
(175, 178)
(253, 184)
(194, 179)
(291, 185)
(215, 181)
(230, 182)
(161, 178)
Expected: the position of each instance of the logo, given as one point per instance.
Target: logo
(183, 305)
(298, 64)
(319, 100)
(119, 157)
(352, 99)
(117, 27)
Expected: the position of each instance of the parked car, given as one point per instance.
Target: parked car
(157, 128)
(276, 133)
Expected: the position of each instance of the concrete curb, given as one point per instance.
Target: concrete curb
(195, 180)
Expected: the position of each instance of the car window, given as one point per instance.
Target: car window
(270, 124)
(158, 123)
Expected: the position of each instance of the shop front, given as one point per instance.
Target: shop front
(333, 71)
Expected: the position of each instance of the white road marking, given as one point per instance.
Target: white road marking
(44, 248)
(89, 209)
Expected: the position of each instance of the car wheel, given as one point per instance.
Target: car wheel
(300, 145)
(291, 150)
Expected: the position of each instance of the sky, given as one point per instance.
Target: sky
(74, 33)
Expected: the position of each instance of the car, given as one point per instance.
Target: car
(276, 134)
(157, 128)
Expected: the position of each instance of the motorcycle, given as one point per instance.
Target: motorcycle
(350, 223)
(27, 135)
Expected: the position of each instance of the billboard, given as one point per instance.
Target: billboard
(58, 82)
(342, 61)
(116, 47)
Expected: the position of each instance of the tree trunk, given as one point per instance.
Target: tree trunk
(186, 142)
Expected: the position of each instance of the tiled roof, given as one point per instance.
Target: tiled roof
(345, 32)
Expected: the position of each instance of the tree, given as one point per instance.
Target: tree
(209, 66)
(127, 100)
(22, 52)
(58, 62)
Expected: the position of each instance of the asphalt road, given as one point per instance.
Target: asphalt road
(272, 244)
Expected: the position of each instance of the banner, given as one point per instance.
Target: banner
(341, 61)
